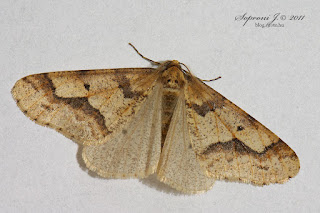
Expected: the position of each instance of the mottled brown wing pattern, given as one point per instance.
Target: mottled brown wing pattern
(88, 106)
(133, 122)
(232, 145)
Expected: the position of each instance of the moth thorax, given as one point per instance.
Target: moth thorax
(173, 78)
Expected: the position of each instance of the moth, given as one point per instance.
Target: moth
(133, 122)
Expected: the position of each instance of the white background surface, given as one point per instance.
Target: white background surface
(272, 73)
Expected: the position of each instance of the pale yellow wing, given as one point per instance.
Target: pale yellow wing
(135, 150)
(88, 106)
(178, 166)
(232, 145)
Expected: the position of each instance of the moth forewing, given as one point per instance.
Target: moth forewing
(232, 145)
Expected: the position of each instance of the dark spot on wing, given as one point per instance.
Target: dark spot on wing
(204, 108)
(266, 168)
(46, 107)
(124, 84)
(87, 86)
(239, 128)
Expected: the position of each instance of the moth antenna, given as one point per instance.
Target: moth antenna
(152, 61)
(211, 79)
(188, 71)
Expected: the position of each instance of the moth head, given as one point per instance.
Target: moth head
(172, 76)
